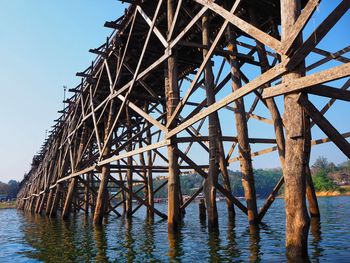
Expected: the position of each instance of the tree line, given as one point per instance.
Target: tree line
(326, 177)
(8, 190)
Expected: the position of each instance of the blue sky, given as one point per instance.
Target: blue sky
(44, 43)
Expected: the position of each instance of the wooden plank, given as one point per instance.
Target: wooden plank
(243, 25)
(144, 114)
(150, 23)
(320, 32)
(178, 7)
(329, 57)
(134, 152)
(299, 25)
(204, 175)
(208, 56)
(272, 149)
(268, 76)
(308, 81)
(325, 126)
(326, 91)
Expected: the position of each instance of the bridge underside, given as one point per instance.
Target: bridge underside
(194, 86)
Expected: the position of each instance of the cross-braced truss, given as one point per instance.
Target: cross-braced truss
(191, 86)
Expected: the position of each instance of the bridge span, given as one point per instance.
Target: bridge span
(192, 86)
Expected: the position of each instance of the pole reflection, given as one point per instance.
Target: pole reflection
(214, 246)
(253, 232)
(315, 229)
(175, 241)
(148, 244)
(129, 240)
(100, 244)
(232, 250)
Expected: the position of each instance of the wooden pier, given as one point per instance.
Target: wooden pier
(175, 89)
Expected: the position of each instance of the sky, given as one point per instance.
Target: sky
(44, 43)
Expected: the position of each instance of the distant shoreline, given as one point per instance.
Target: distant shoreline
(8, 205)
(331, 193)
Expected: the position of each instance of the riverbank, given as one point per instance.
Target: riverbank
(7, 205)
(343, 191)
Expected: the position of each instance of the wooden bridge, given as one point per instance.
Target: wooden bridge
(179, 87)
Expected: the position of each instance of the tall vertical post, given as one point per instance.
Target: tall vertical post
(102, 196)
(310, 189)
(149, 176)
(212, 179)
(87, 194)
(172, 99)
(297, 219)
(129, 163)
(73, 183)
(56, 198)
(243, 141)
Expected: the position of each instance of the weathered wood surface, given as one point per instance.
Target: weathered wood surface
(153, 98)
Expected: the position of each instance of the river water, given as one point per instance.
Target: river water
(25, 237)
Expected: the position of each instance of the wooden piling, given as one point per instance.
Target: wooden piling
(202, 210)
(211, 181)
(102, 196)
(129, 163)
(243, 143)
(172, 99)
(149, 176)
(297, 219)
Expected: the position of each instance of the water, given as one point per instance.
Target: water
(26, 237)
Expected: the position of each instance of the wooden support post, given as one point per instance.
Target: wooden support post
(56, 198)
(73, 183)
(87, 194)
(129, 163)
(102, 196)
(172, 99)
(149, 176)
(49, 202)
(311, 194)
(325, 126)
(37, 204)
(276, 118)
(42, 203)
(69, 198)
(310, 190)
(243, 143)
(202, 210)
(211, 181)
(123, 192)
(297, 219)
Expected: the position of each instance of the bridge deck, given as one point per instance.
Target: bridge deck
(173, 90)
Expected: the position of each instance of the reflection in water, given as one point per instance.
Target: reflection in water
(129, 240)
(254, 243)
(148, 244)
(315, 229)
(100, 243)
(214, 246)
(232, 246)
(138, 240)
(175, 246)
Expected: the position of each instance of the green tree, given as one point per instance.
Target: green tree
(322, 182)
(13, 188)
